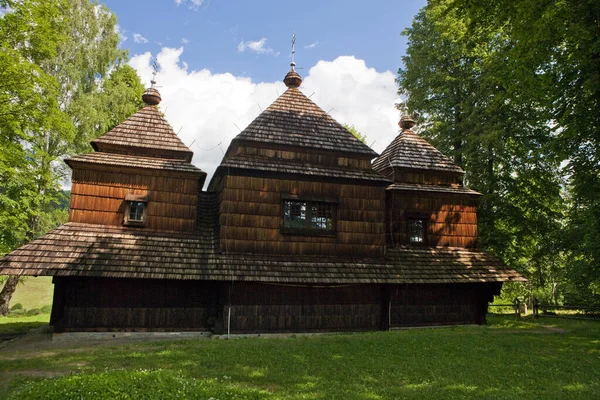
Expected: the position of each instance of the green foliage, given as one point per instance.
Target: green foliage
(479, 110)
(509, 359)
(356, 133)
(554, 59)
(62, 83)
(17, 307)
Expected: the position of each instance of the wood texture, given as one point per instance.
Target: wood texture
(135, 304)
(293, 308)
(250, 218)
(451, 220)
(99, 198)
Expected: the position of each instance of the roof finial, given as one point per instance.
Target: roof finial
(292, 79)
(293, 64)
(151, 96)
(406, 120)
(154, 72)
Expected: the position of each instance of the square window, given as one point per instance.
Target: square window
(135, 213)
(416, 231)
(309, 217)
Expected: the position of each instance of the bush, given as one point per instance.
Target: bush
(34, 311)
(47, 309)
(17, 307)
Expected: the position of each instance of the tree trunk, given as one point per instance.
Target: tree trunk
(7, 292)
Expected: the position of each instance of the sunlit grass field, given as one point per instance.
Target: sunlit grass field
(508, 359)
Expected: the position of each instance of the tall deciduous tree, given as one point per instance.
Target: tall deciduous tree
(62, 83)
(457, 80)
(555, 55)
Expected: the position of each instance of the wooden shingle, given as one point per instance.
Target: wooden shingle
(144, 132)
(411, 151)
(294, 120)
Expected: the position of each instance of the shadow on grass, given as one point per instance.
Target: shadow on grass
(16, 328)
(500, 361)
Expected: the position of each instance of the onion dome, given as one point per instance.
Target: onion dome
(151, 97)
(406, 122)
(292, 79)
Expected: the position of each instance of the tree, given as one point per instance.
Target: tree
(352, 129)
(556, 56)
(62, 83)
(457, 80)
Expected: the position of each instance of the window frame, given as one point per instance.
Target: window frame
(129, 201)
(308, 230)
(423, 221)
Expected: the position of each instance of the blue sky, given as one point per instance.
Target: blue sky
(222, 62)
(368, 30)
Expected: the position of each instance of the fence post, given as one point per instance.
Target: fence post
(536, 308)
(517, 305)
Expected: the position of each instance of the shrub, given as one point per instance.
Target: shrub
(47, 309)
(34, 311)
(17, 307)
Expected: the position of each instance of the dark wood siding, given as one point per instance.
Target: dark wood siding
(440, 304)
(250, 214)
(99, 198)
(259, 308)
(451, 219)
(100, 304)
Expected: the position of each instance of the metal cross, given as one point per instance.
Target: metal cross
(293, 47)
(154, 72)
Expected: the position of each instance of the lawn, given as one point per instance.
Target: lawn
(35, 292)
(508, 359)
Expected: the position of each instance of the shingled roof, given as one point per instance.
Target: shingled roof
(294, 120)
(145, 132)
(76, 249)
(410, 150)
(126, 160)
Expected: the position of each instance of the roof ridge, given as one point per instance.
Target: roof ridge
(294, 119)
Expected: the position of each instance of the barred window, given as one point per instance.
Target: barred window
(416, 231)
(310, 216)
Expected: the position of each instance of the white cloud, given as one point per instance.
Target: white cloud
(257, 46)
(193, 4)
(184, 40)
(139, 38)
(121, 32)
(207, 107)
(311, 46)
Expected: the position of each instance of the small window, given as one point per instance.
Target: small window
(311, 217)
(416, 231)
(135, 213)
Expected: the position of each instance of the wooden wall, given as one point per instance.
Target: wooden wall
(250, 216)
(115, 304)
(257, 308)
(451, 218)
(428, 177)
(312, 157)
(100, 304)
(439, 304)
(98, 197)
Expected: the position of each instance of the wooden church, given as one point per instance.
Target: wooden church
(303, 228)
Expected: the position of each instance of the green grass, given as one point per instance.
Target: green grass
(506, 360)
(22, 323)
(35, 292)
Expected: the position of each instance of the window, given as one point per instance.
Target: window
(135, 210)
(311, 217)
(416, 231)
